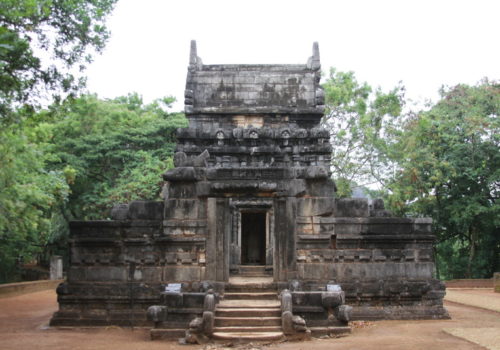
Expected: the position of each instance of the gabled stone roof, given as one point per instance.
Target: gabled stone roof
(254, 89)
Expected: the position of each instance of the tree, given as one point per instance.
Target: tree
(41, 42)
(451, 172)
(28, 194)
(117, 150)
(76, 160)
(362, 125)
(44, 47)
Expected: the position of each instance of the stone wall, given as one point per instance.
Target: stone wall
(384, 264)
(119, 267)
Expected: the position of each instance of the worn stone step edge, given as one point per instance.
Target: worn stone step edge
(248, 312)
(249, 295)
(251, 284)
(254, 288)
(249, 305)
(239, 329)
(248, 308)
(251, 290)
(247, 321)
(254, 336)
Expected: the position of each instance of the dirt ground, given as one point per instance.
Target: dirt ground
(479, 297)
(24, 319)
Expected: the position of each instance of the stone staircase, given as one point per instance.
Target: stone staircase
(250, 309)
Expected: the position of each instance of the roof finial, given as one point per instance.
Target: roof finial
(193, 53)
(314, 61)
(194, 60)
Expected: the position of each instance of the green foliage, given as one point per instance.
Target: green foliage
(362, 125)
(114, 151)
(28, 195)
(40, 42)
(75, 161)
(44, 47)
(451, 172)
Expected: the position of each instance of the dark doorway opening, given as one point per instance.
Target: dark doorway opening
(253, 238)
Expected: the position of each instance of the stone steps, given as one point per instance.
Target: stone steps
(254, 288)
(250, 295)
(257, 284)
(256, 329)
(249, 303)
(248, 336)
(246, 321)
(249, 311)
(254, 271)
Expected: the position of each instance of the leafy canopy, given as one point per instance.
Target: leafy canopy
(75, 161)
(117, 150)
(362, 123)
(44, 47)
(29, 192)
(451, 171)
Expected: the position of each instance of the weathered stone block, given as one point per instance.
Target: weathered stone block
(172, 300)
(321, 188)
(316, 172)
(106, 273)
(182, 273)
(296, 187)
(332, 299)
(76, 274)
(183, 174)
(183, 190)
(183, 209)
(119, 212)
(320, 206)
(145, 210)
(352, 207)
(148, 274)
(422, 225)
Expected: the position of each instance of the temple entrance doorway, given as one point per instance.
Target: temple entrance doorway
(253, 238)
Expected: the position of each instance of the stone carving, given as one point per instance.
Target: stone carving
(157, 314)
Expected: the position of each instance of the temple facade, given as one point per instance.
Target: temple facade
(251, 195)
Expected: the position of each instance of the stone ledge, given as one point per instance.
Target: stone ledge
(11, 289)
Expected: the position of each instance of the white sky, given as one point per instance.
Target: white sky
(424, 44)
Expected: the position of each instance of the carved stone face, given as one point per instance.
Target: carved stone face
(219, 135)
(253, 134)
(285, 134)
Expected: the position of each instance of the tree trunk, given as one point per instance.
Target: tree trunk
(472, 251)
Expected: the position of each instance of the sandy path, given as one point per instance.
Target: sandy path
(483, 298)
(22, 321)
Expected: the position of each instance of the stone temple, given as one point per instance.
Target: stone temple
(250, 240)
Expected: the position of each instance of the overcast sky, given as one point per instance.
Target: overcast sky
(424, 44)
